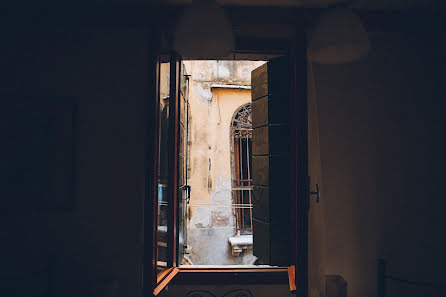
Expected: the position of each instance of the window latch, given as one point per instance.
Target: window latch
(186, 188)
(316, 193)
(188, 194)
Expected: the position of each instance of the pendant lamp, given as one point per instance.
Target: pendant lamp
(339, 37)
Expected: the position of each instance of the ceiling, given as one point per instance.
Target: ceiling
(357, 4)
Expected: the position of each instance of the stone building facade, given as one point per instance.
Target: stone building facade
(217, 90)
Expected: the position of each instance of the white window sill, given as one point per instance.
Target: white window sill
(240, 243)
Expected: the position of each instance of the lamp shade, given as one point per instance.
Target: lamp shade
(204, 31)
(339, 37)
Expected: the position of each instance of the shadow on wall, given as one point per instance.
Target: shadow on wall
(95, 248)
(382, 152)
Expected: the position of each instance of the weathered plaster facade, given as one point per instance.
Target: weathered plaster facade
(214, 97)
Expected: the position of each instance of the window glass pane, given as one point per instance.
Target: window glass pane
(163, 165)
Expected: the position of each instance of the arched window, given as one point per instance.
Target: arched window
(241, 151)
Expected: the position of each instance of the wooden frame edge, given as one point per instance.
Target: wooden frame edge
(232, 275)
(166, 280)
(292, 278)
(232, 269)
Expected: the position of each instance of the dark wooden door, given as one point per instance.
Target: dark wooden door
(271, 162)
(280, 163)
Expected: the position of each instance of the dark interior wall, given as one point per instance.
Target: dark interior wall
(96, 247)
(382, 151)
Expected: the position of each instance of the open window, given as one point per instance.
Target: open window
(170, 182)
(270, 172)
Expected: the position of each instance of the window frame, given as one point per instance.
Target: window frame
(160, 279)
(299, 193)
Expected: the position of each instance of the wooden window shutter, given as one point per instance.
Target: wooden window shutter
(271, 162)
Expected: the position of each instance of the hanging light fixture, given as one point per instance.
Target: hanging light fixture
(339, 37)
(204, 31)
